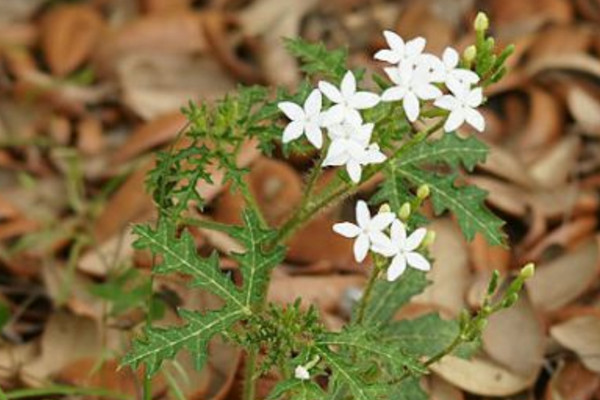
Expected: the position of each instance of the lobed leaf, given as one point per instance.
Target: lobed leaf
(317, 59)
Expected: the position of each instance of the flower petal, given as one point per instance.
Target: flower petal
(417, 261)
(348, 85)
(387, 55)
(450, 57)
(363, 216)
(396, 268)
(361, 247)
(447, 102)
(474, 98)
(354, 170)
(291, 110)
(314, 135)
(464, 76)
(411, 105)
(398, 233)
(455, 120)
(394, 93)
(363, 100)
(313, 103)
(428, 92)
(336, 155)
(415, 46)
(475, 119)
(293, 131)
(331, 92)
(415, 239)
(380, 241)
(394, 40)
(347, 229)
(335, 115)
(382, 220)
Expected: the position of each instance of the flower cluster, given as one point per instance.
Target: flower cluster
(370, 234)
(416, 77)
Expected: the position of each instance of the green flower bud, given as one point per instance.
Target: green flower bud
(527, 271)
(385, 208)
(423, 192)
(482, 22)
(429, 239)
(510, 300)
(493, 285)
(404, 211)
(469, 54)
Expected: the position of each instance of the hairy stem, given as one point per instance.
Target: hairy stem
(249, 379)
(364, 300)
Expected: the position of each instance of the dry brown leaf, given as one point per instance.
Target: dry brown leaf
(561, 39)
(66, 338)
(525, 355)
(481, 376)
(421, 20)
(572, 381)
(90, 136)
(555, 167)
(581, 335)
(12, 357)
(450, 274)
(584, 106)
(557, 283)
(162, 7)
(69, 34)
(439, 389)
(487, 258)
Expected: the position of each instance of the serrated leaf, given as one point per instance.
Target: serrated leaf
(344, 373)
(302, 390)
(180, 255)
(426, 336)
(409, 389)
(388, 297)
(256, 263)
(450, 150)
(317, 59)
(466, 202)
(163, 343)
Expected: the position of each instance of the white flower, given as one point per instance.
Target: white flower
(305, 120)
(400, 52)
(301, 373)
(462, 76)
(403, 250)
(347, 101)
(461, 104)
(350, 147)
(411, 85)
(369, 231)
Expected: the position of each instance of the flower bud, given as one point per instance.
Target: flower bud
(469, 54)
(404, 211)
(429, 239)
(423, 192)
(301, 373)
(510, 300)
(385, 208)
(482, 22)
(527, 271)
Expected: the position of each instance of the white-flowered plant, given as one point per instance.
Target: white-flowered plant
(361, 134)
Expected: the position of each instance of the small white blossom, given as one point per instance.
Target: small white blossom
(403, 250)
(462, 104)
(347, 101)
(411, 85)
(350, 147)
(462, 76)
(305, 120)
(400, 52)
(369, 231)
(301, 373)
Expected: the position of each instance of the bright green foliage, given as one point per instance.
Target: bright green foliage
(317, 59)
(426, 335)
(300, 390)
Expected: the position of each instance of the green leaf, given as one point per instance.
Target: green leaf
(317, 59)
(180, 255)
(255, 263)
(164, 343)
(450, 150)
(388, 297)
(345, 373)
(409, 389)
(466, 202)
(425, 336)
(302, 390)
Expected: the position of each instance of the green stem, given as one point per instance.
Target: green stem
(249, 379)
(64, 391)
(207, 224)
(252, 203)
(364, 300)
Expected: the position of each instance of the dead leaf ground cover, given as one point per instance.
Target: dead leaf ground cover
(90, 89)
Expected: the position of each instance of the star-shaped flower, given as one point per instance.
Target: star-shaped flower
(350, 147)
(305, 120)
(462, 105)
(403, 250)
(462, 76)
(347, 101)
(400, 52)
(411, 85)
(369, 231)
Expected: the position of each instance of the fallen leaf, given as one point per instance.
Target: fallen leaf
(582, 336)
(572, 381)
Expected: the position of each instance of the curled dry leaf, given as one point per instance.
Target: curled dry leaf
(524, 355)
(487, 258)
(12, 357)
(576, 271)
(572, 381)
(561, 39)
(450, 274)
(582, 336)
(421, 20)
(69, 34)
(440, 389)
(481, 376)
(557, 164)
(584, 106)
